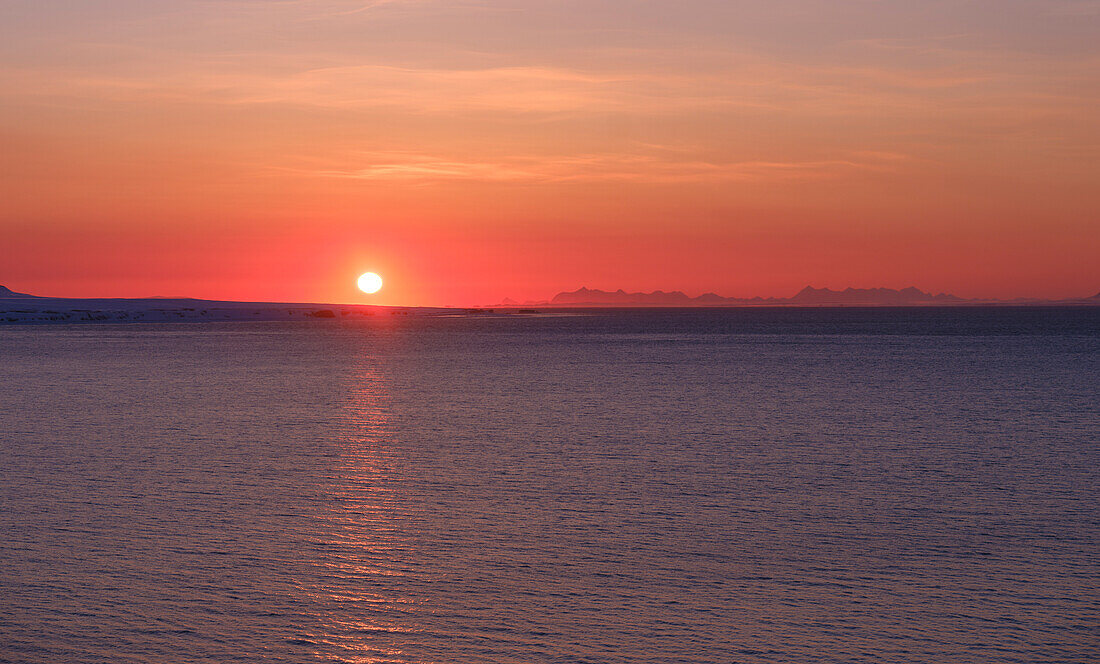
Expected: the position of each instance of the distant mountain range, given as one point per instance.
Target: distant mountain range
(20, 308)
(808, 296)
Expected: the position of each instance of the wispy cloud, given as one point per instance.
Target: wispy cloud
(521, 106)
(741, 83)
(609, 167)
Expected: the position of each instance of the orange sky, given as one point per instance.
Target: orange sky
(471, 150)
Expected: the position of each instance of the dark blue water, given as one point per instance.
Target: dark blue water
(914, 485)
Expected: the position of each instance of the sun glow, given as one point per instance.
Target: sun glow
(369, 282)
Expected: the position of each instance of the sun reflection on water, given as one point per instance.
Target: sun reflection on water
(361, 549)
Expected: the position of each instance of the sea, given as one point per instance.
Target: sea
(600, 486)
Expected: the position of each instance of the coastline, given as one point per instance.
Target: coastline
(30, 310)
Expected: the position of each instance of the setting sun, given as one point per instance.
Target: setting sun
(369, 282)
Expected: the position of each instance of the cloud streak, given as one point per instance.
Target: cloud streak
(613, 167)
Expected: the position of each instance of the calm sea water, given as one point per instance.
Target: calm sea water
(911, 485)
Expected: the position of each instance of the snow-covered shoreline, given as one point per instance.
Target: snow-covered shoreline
(44, 310)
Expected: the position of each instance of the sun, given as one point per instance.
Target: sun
(370, 282)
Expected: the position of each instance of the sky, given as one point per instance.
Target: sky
(472, 150)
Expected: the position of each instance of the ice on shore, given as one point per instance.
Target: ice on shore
(42, 310)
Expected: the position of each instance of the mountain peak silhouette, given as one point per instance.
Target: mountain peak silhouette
(7, 292)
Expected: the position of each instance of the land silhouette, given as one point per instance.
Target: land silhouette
(808, 296)
(22, 308)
